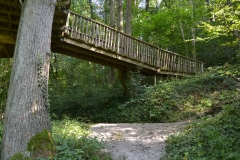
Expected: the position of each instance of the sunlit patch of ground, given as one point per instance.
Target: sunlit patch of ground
(135, 141)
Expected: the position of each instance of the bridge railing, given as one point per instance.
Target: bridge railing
(100, 35)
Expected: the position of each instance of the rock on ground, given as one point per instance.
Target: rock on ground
(135, 141)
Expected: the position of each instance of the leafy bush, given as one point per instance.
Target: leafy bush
(209, 138)
(177, 99)
(70, 138)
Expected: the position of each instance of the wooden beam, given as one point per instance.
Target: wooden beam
(12, 11)
(4, 49)
(10, 2)
(8, 37)
(9, 21)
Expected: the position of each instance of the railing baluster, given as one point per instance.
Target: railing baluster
(118, 42)
(72, 26)
(80, 27)
(67, 24)
(85, 34)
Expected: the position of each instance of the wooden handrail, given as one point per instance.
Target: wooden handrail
(97, 33)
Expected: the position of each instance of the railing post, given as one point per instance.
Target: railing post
(72, 25)
(67, 24)
(155, 79)
(118, 42)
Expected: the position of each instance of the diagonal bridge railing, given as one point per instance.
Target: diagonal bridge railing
(112, 40)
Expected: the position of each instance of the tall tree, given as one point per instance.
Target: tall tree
(194, 54)
(128, 16)
(147, 5)
(26, 110)
(111, 75)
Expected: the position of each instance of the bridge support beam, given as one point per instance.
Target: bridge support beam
(124, 78)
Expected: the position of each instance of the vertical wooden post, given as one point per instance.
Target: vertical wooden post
(87, 28)
(155, 79)
(76, 27)
(67, 24)
(118, 41)
(72, 25)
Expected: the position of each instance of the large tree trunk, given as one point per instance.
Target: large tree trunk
(26, 112)
(111, 74)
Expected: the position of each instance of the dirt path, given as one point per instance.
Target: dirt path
(135, 141)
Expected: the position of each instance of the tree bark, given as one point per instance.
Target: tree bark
(183, 36)
(128, 27)
(111, 74)
(194, 53)
(91, 8)
(147, 5)
(120, 16)
(128, 17)
(26, 111)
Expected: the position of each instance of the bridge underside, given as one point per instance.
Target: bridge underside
(89, 52)
(10, 11)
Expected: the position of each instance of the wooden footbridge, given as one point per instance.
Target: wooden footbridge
(84, 38)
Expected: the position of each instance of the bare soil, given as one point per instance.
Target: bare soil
(135, 141)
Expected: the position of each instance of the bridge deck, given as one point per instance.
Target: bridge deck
(83, 38)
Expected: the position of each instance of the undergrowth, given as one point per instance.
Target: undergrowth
(175, 100)
(72, 142)
(210, 138)
(213, 136)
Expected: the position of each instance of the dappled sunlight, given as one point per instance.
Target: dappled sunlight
(138, 141)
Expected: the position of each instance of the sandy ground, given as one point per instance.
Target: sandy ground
(135, 141)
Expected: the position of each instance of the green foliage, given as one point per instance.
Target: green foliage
(177, 99)
(79, 89)
(20, 156)
(70, 138)
(5, 72)
(214, 136)
(225, 20)
(209, 138)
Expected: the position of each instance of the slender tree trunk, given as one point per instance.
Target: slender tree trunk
(120, 15)
(193, 33)
(194, 53)
(128, 17)
(128, 27)
(91, 8)
(147, 5)
(183, 36)
(111, 74)
(26, 112)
